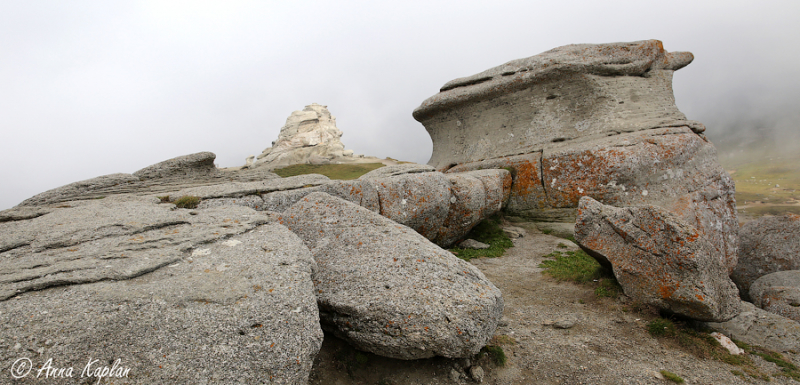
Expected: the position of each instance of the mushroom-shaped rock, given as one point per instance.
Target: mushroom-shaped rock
(386, 289)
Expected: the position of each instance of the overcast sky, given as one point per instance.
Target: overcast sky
(89, 88)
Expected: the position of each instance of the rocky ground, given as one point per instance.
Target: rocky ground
(608, 342)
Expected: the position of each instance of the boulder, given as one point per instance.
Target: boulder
(386, 289)
(658, 259)
(420, 201)
(767, 245)
(761, 328)
(778, 293)
(176, 296)
(309, 136)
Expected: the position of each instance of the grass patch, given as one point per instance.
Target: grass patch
(187, 202)
(496, 354)
(672, 377)
(163, 198)
(787, 369)
(490, 233)
(333, 171)
(771, 210)
(576, 266)
(661, 327)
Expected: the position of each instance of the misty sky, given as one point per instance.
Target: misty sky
(89, 88)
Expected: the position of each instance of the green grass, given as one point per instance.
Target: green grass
(661, 327)
(490, 233)
(333, 171)
(496, 354)
(579, 267)
(672, 377)
(574, 266)
(187, 202)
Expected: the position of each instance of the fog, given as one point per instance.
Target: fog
(94, 88)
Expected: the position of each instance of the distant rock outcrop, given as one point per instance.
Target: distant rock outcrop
(309, 136)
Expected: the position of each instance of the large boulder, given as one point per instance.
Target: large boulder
(386, 289)
(176, 296)
(658, 259)
(767, 245)
(778, 293)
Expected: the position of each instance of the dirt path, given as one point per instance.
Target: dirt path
(606, 345)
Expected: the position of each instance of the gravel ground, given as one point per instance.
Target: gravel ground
(606, 344)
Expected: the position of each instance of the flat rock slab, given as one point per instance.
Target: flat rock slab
(115, 238)
(241, 189)
(658, 259)
(239, 310)
(767, 245)
(778, 293)
(186, 166)
(759, 327)
(386, 289)
(398, 169)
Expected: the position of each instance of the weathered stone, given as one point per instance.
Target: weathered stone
(658, 259)
(239, 310)
(112, 238)
(759, 327)
(527, 194)
(398, 169)
(200, 164)
(767, 245)
(778, 293)
(386, 290)
(726, 343)
(513, 232)
(359, 192)
(252, 201)
(573, 91)
(309, 136)
(672, 168)
(420, 201)
(475, 195)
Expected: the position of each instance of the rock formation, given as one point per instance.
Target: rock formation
(309, 136)
(184, 290)
(584, 120)
(658, 259)
(768, 244)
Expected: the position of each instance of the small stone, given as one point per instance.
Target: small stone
(455, 375)
(473, 244)
(17, 346)
(548, 322)
(564, 324)
(476, 372)
(503, 322)
(727, 343)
